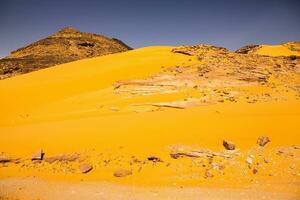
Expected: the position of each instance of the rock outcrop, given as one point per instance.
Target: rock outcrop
(64, 46)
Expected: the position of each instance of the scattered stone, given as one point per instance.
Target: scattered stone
(4, 159)
(266, 160)
(39, 155)
(208, 174)
(85, 168)
(36, 161)
(296, 147)
(122, 173)
(254, 171)
(62, 157)
(154, 159)
(249, 159)
(285, 152)
(228, 145)
(263, 140)
(292, 166)
(175, 155)
(221, 167)
(198, 153)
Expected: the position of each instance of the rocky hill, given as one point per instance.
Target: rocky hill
(64, 46)
(285, 49)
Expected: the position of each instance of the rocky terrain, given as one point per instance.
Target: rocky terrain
(64, 46)
(220, 75)
(187, 122)
(285, 49)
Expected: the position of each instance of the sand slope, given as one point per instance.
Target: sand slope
(118, 110)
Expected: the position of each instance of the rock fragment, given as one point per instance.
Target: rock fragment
(228, 145)
(39, 155)
(85, 168)
(208, 174)
(249, 159)
(122, 173)
(154, 159)
(296, 147)
(254, 171)
(263, 140)
(4, 159)
(62, 157)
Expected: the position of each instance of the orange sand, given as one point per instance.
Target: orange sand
(72, 108)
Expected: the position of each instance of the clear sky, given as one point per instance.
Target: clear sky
(138, 23)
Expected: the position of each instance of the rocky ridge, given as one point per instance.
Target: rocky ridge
(64, 46)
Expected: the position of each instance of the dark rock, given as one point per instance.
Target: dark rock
(64, 46)
(122, 173)
(246, 49)
(263, 140)
(85, 168)
(4, 159)
(154, 159)
(228, 145)
(39, 155)
(254, 171)
(296, 147)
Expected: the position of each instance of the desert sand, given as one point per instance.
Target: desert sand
(150, 123)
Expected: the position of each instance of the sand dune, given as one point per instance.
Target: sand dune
(132, 110)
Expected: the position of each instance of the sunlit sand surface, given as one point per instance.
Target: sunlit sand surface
(134, 111)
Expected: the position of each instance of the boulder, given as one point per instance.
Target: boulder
(85, 168)
(4, 159)
(263, 140)
(62, 158)
(39, 155)
(122, 173)
(154, 159)
(228, 145)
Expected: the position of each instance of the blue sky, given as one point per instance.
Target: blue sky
(138, 23)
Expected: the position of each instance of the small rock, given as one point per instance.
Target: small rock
(249, 160)
(62, 157)
(122, 173)
(85, 167)
(263, 140)
(208, 174)
(228, 145)
(154, 159)
(39, 155)
(4, 159)
(175, 155)
(51, 159)
(296, 147)
(254, 171)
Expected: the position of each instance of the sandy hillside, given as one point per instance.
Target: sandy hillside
(192, 122)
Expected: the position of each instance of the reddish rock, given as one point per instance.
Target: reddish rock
(122, 173)
(228, 145)
(254, 171)
(85, 167)
(263, 140)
